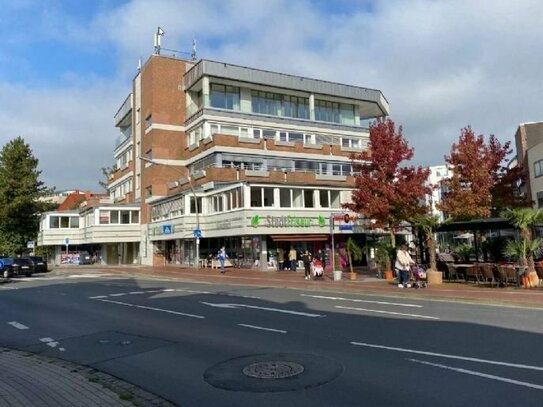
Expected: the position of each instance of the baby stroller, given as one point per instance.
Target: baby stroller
(318, 269)
(418, 277)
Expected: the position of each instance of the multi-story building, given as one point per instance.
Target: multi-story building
(529, 144)
(438, 173)
(214, 153)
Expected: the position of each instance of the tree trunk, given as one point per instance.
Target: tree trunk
(392, 238)
(432, 251)
(350, 261)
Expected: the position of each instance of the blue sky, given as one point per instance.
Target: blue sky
(66, 66)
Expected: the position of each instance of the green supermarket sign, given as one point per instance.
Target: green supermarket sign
(287, 221)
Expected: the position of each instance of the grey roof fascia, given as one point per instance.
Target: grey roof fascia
(286, 81)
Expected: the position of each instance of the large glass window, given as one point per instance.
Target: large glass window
(538, 168)
(54, 222)
(294, 106)
(297, 198)
(334, 199)
(256, 197)
(224, 97)
(324, 199)
(279, 105)
(284, 198)
(193, 205)
(326, 111)
(268, 196)
(308, 198)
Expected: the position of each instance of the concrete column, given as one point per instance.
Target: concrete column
(263, 261)
(205, 91)
(312, 107)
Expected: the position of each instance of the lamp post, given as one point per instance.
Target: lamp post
(197, 207)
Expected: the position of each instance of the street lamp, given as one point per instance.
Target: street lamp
(197, 207)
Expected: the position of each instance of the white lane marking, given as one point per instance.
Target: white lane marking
(323, 297)
(444, 355)
(62, 349)
(388, 312)
(52, 344)
(47, 340)
(263, 328)
(186, 290)
(9, 288)
(152, 308)
(474, 373)
(117, 295)
(136, 292)
(17, 325)
(234, 306)
(98, 296)
(241, 296)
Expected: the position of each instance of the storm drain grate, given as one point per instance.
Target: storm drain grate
(273, 370)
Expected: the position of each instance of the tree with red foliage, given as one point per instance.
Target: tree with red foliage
(386, 193)
(480, 185)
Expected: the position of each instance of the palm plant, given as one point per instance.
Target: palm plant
(523, 251)
(428, 224)
(524, 219)
(353, 252)
(383, 254)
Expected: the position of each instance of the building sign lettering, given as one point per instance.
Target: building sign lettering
(287, 221)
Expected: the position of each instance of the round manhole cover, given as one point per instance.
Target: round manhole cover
(273, 370)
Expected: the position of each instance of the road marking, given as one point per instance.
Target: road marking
(117, 295)
(97, 297)
(474, 373)
(151, 308)
(234, 306)
(17, 325)
(443, 355)
(263, 328)
(323, 297)
(388, 312)
(136, 292)
(47, 340)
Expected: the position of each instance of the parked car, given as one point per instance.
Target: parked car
(6, 267)
(22, 266)
(85, 258)
(39, 265)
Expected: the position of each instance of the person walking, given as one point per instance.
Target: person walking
(293, 258)
(402, 265)
(306, 258)
(280, 258)
(222, 256)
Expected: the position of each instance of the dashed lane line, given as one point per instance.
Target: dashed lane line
(401, 314)
(263, 328)
(396, 304)
(18, 325)
(167, 311)
(447, 356)
(475, 373)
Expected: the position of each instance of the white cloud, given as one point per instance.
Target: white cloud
(441, 64)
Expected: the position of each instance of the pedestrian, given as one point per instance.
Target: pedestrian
(222, 256)
(293, 258)
(321, 257)
(402, 266)
(280, 258)
(306, 258)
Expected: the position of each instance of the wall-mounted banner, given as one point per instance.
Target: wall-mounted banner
(287, 221)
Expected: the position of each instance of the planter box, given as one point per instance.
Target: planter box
(337, 275)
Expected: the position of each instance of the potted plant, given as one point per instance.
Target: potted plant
(353, 252)
(383, 257)
(427, 224)
(522, 250)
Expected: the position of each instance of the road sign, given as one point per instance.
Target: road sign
(167, 229)
(66, 241)
(30, 244)
(197, 233)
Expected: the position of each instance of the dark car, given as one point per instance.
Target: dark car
(85, 258)
(6, 267)
(22, 266)
(38, 264)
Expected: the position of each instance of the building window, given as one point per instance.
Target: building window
(334, 199)
(135, 217)
(538, 168)
(193, 205)
(54, 222)
(148, 121)
(308, 198)
(284, 198)
(324, 199)
(224, 97)
(334, 112)
(266, 103)
(350, 142)
(297, 198)
(256, 197)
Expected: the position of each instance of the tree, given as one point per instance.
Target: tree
(106, 173)
(428, 224)
(480, 185)
(386, 193)
(20, 190)
(526, 247)
(353, 252)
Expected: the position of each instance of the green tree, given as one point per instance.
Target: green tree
(524, 219)
(428, 224)
(353, 252)
(20, 190)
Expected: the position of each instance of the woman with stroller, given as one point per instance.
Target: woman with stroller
(306, 258)
(403, 265)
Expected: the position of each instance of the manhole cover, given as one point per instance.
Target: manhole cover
(273, 370)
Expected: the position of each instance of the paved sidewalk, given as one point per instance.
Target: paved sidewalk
(29, 380)
(364, 284)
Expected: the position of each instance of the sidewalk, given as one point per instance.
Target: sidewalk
(30, 380)
(364, 284)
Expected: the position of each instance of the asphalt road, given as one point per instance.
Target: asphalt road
(220, 345)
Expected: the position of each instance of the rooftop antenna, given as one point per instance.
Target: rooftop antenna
(193, 54)
(159, 33)
(139, 64)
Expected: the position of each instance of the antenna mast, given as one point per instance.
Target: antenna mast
(159, 33)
